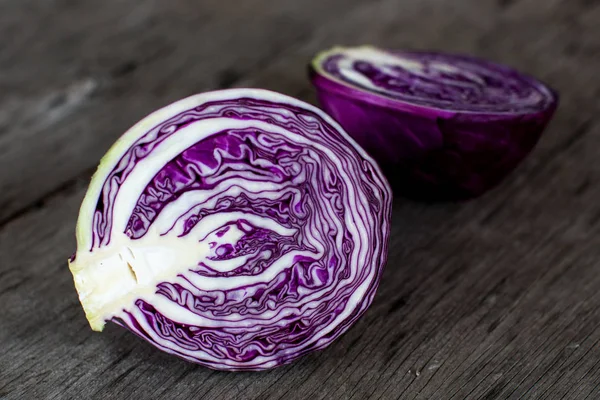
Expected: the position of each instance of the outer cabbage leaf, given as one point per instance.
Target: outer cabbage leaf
(442, 126)
(238, 229)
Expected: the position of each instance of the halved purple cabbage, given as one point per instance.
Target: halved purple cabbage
(238, 229)
(441, 126)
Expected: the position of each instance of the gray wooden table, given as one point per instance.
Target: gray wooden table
(497, 298)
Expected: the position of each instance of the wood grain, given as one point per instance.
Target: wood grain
(104, 65)
(497, 298)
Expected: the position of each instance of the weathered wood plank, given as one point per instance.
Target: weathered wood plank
(105, 66)
(84, 72)
(457, 302)
(492, 299)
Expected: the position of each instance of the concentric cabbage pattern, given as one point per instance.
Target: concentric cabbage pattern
(446, 81)
(238, 229)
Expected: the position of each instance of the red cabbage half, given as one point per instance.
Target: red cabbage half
(441, 126)
(238, 229)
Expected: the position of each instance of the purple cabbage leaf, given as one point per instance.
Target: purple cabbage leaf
(442, 126)
(238, 229)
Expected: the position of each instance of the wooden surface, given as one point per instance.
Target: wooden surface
(496, 298)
